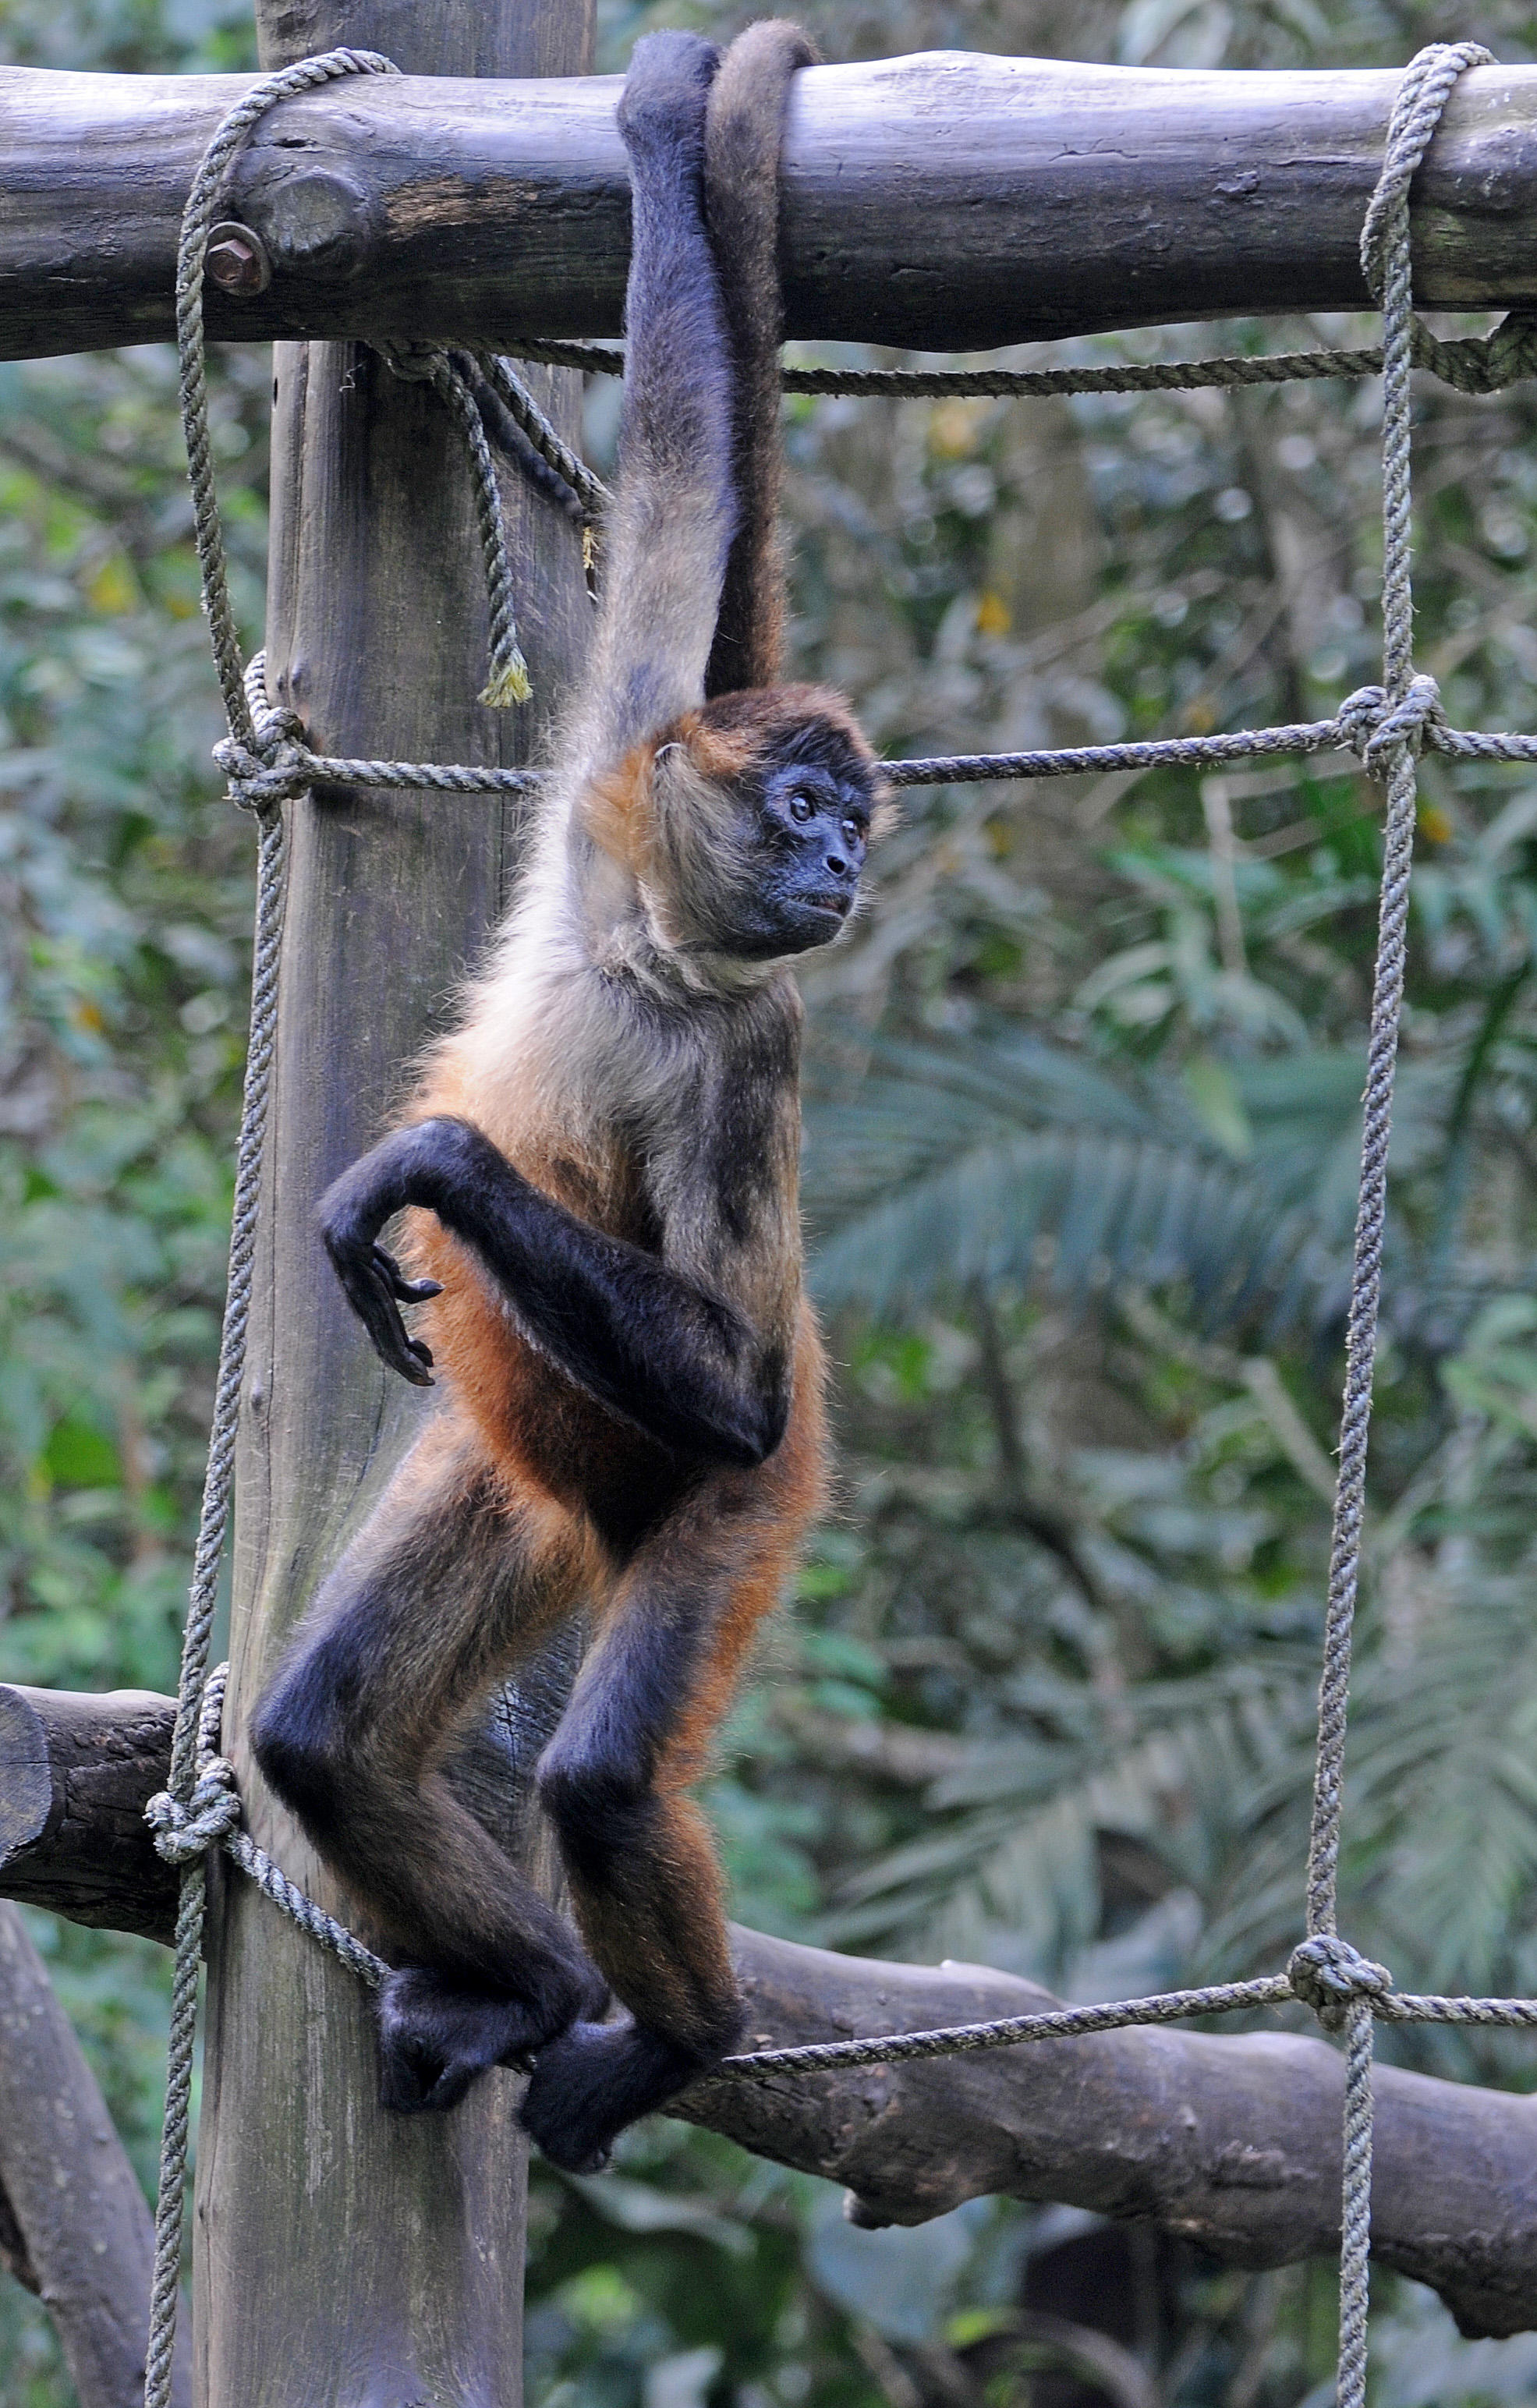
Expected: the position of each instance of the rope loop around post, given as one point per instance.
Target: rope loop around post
(274, 763)
(1423, 90)
(201, 211)
(189, 1828)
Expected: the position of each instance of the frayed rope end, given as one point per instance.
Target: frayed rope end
(507, 685)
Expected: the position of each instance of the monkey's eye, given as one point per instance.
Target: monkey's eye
(853, 832)
(801, 808)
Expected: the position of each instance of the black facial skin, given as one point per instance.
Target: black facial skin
(812, 835)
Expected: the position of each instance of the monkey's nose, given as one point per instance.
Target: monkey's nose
(839, 866)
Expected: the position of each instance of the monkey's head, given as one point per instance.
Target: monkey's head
(748, 822)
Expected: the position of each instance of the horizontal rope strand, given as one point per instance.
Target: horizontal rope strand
(297, 769)
(1478, 363)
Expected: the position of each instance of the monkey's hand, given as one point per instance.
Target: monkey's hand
(376, 1288)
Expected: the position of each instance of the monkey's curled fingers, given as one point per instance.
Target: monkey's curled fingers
(408, 1291)
(376, 1288)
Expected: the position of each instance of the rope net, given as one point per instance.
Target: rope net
(267, 761)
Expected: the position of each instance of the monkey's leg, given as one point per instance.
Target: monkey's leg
(639, 1855)
(449, 1583)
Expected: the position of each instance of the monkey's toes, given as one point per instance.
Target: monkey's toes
(435, 2040)
(590, 2083)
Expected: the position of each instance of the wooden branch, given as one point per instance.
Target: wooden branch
(1229, 2140)
(75, 2227)
(950, 201)
(75, 1774)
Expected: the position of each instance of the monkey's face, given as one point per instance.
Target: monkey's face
(806, 854)
(762, 810)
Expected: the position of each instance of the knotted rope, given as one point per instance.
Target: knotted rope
(267, 761)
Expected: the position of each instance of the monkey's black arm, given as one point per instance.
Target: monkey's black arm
(680, 1364)
(674, 513)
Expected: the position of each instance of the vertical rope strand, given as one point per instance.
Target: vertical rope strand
(508, 679)
(1356, 2219)
(213, 1525)
(1427, 82)
(1385, 257)
(1360, 1349)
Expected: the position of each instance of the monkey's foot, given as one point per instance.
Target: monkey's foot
(592, 2081)
(435, 2036)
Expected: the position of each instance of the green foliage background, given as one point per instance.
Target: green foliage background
(1080, 1132)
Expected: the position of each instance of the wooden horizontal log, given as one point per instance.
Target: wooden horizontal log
(75, 1774)
(1228, 2139)
(1231, 2140)
(947, 201)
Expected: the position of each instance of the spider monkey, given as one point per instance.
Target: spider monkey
(600, 1164)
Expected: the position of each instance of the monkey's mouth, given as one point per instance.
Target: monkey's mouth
(840, 906)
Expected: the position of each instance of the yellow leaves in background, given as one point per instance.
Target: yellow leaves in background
(112, 587)
(954, 427)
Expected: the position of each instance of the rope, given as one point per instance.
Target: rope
(425, 364)
(1473, 364)
(286, 767)
(590, 493)
(1331, 1993)
(191, 249)
(183, 1815)
(267, 761)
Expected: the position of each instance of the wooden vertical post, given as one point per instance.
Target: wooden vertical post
(347, 2259)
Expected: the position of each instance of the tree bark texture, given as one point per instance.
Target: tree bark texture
(347, 2259)
(946, 201)
(1230, 2140)
(77, 2229)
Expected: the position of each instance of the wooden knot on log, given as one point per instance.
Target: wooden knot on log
(1330, 1976)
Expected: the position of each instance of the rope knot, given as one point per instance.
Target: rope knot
(1480, 363)
(1331, 1977)
(275, 765)
(188, 1827)
(1421, 97)
(416, 362)
(1513, 350)
(1374, 724)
